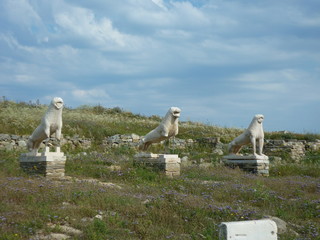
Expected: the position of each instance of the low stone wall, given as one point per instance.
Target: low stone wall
(122, 140)
(18, 142)
(10, 142)
(279, 149)
(294, 149)
(133, 140)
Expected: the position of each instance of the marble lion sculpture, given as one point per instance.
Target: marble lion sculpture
(168, 128)
(253, 134)
(51, 123)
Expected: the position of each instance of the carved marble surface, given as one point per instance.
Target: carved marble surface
(168, 128)
(51, 123)
(254, 134)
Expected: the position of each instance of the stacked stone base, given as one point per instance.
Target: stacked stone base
(254, 164)
(47, 164)
(168, 163)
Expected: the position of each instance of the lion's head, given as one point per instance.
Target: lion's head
(259, 118)
(175, 112)
(57, 103)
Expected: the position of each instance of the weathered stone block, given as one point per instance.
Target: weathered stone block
(169, 158)
(256, 164)
(265, 229)
(172, 167)
(168, 163)
(48, 164)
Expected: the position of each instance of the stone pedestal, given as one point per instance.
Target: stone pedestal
(48, 164)
(168, 163)
(249, 230)
(254, 164)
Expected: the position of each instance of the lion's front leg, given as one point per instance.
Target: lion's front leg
(253, 142)
(46, 130)
(58, 136)
(261, 143)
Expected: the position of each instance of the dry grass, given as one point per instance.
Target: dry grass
(150, 206)
(147, 205)
(97, 122)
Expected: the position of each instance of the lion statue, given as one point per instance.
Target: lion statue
(253, 134)
(51, 123)
(168, 128)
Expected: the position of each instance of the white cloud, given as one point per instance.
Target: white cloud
(24, 79)
(310, 22)
(185, 13)
(92, 96)
(270, 81)
(174, 34)
(21, 12)
(170, 15)
(13, 43)
(160, 4)
(238, 57)
(155, 83)
(84, 23)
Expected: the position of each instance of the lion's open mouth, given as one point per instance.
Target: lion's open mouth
(176, 114)
(59, 104)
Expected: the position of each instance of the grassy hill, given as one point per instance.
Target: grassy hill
(106, 197)
(98, 122)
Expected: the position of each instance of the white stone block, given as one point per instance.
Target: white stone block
(172, 167)
(49, 164)
(146, 155)
(169, 158)
(169, 163)
(265, 229)
(246, 157)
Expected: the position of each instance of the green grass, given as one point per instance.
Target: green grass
(144, 204)
(147, 205)
(97, 122)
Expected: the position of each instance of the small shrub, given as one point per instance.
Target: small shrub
(115, 110)
(97, 230)
(312, 157)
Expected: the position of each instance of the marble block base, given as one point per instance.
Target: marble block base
(48, 164)
(169, 163)
(254, 164)
(264, 229)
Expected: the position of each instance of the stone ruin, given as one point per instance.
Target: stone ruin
(167, 163)
(278, 149)
(293, 148)
(49, 164)
(167, 129)
(257, 162)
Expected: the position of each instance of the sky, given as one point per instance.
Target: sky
(220, 61)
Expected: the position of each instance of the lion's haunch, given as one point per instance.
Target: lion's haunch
(253, 134)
